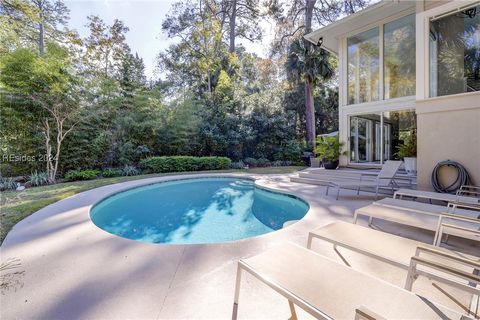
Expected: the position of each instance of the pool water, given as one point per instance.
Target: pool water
(205, 210)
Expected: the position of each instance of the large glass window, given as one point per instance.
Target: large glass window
(363, 67)
(367, 141)
(455, 53)
(399, 57)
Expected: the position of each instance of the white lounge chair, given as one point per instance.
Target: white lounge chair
(384, 179)
(466, 194)
(328, 290)
(458, 269)
(462, 209)
(464, 225)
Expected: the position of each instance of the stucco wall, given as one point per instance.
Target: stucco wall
(448, 128)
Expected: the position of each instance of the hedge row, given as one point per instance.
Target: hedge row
(184, 163)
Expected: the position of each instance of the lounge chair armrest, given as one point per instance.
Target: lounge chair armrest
(463, 205)
(364, 313)
(458, 217)
(470, 277)
(468, 187)
(448, 255)
(443, 226)
(461, 192)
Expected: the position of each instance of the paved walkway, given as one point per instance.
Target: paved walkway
(73, 270)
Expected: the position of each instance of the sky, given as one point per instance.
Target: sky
(144, 19)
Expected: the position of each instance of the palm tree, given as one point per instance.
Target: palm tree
(311, 64)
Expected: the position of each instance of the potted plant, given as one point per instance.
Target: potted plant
(408, 152)
(329, 150)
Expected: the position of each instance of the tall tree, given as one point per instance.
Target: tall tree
(37, 20)
(198, 56)
(46, 87)
(243, 20)
(105, 46)
(298, 19)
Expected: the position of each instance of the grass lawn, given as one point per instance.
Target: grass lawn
(16, 206)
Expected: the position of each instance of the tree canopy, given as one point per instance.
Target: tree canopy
(85, 103)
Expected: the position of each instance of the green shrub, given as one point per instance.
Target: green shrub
(184, 163)
(111, 173)
(7, 184)
(262, 162)
(75, 175)
(129, 171)
(238, 165)
(251, 162)
(38, 179)
(281, 163)
(329, 148)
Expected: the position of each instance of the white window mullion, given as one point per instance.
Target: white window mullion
(381, 94)
(381, 138)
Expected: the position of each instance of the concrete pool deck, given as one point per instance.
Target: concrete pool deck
(71, 269)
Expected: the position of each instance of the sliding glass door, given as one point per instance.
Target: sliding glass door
(363, 137)
(375, 137)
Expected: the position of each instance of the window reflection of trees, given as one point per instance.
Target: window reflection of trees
(455, 56)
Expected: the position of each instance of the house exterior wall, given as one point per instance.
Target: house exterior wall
(448, 129)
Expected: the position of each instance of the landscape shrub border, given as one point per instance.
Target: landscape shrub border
(184, 163)
(76, 175)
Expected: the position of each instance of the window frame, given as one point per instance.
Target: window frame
(347, 110)
(343, 58)
(382, 133)
(423, 46)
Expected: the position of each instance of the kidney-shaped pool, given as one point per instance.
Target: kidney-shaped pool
(203, 210)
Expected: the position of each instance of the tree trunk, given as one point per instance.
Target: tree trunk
(233, 18)
(310, 113)
(309, 105)
(41, 41)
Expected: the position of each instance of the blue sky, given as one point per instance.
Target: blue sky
(144, 18)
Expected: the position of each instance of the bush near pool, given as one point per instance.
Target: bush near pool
(184, 163)
(76, 175)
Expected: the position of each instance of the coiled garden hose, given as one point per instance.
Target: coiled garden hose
(462, 177)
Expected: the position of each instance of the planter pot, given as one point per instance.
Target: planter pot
(330, 165)
(314, 162)
(410, 165)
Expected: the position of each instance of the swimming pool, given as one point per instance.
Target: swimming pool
(201, 210)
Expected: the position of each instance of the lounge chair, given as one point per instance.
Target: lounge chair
(463, 209)
(463, 222)
(328, 290)
(384, 179)
(458, 269)
(466, 194)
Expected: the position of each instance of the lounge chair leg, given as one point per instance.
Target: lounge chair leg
(410, 276)
(237, 293)
(355, 217)
(376, 193)
(340, 255)
(358, 190)
(292, 310)
(338, 192)
(309, 242)
(370, 221)
(328, 187)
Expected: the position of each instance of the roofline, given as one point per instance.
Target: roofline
(315, 37)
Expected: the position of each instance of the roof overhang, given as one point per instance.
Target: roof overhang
(328, 37)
